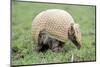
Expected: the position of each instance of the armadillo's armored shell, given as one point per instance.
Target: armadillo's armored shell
(55, 21)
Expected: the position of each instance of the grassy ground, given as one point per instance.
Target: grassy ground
(22, 44)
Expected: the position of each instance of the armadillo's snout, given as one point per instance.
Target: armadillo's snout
(76, 43)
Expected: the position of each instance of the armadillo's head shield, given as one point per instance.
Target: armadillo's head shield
(74, 34)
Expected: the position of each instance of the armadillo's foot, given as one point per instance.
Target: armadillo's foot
(58, 48)
(43, 48)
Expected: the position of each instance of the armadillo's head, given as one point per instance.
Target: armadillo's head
(74, 35)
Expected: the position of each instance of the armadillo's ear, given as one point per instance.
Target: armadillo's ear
(74, 28)
(71, 31)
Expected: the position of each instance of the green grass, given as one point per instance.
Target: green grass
(22, 44)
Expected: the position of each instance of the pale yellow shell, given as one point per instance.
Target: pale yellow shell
(55, 21)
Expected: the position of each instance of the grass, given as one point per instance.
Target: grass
(22, 44)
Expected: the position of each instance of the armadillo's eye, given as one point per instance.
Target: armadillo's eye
(74, 37)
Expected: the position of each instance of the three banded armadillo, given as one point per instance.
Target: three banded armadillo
(59, 24)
